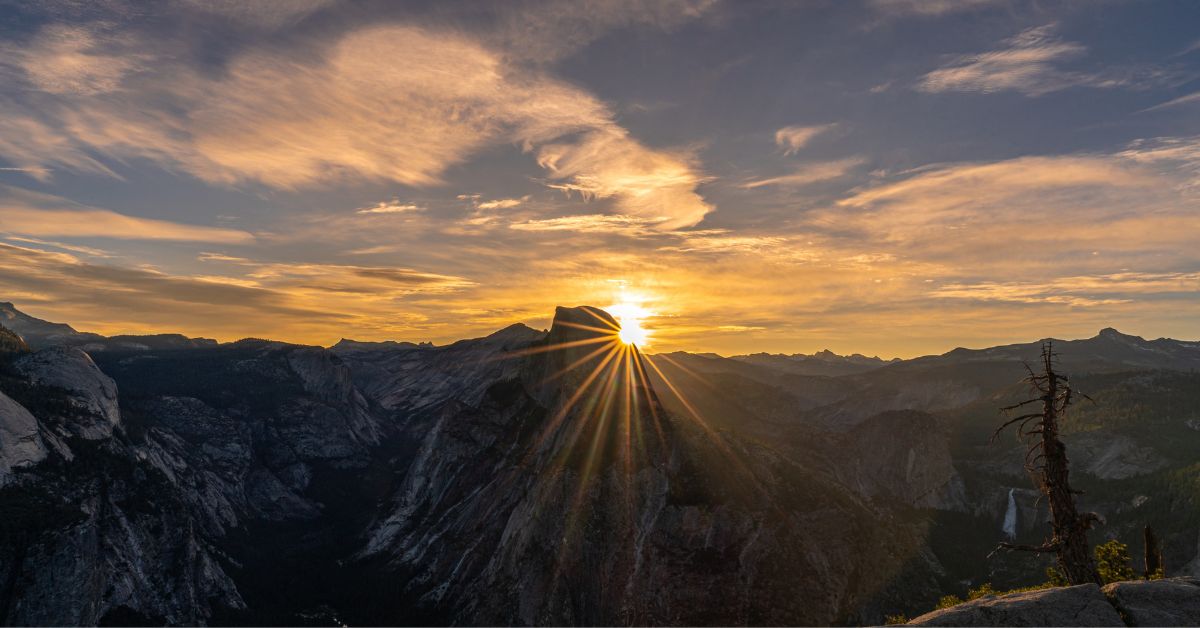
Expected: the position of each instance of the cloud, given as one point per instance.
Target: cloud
(102, 223)
(1078, 291)
(68, 59)
(389, 103)
(588, 223)
(263, 13)
(303, 302)
(1031, 63)
(737, 329)
(1024, 64)
(547, 30)
(792, 138)
(808, 174)
(389, 207)
(652, 184)
(1036, 215)
(73, 248)
(66, 281)
(370, 280)
(930, 8)
(1179, 156)
(502, 203)
(721, 242)
(39, 215)
(1188, 99)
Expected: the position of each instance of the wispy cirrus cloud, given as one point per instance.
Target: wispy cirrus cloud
(1188, 99)
(1079, 291)
(137, 298)
(502, 203)
(1044, 215)
(1026, 63)
(261, 13)
(808, 174)
(389, 103)
(73, 248)
(40, 215)
(1179, 156)
(74, 59)
(930, 8)
(393, 206)
(588, 223)
(542, 31)
(1033, 63)
(792, 138)
(235, 299)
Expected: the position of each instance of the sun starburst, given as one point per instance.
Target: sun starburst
(631, 317)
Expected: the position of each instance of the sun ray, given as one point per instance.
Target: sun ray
(713, 435)
(606, 322)
(687, 371)
(609, 346)
(607, 331)
(579, 392)
(554, 347)
(645, 379)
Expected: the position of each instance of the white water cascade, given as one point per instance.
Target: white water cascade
(1010, 517)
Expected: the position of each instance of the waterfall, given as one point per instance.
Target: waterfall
(1010, 517)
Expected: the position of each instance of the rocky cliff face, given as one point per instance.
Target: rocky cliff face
(903, 456)
(21, 444)
(533, 477)
(555, 502)
(525, 477)
(127, 516)
(92, 394)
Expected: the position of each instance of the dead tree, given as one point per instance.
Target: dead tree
(1154, 557)
(1046, 460)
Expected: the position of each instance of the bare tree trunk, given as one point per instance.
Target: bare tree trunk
(1153, 548)
(1069, 541)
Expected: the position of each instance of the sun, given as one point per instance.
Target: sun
(631, 317)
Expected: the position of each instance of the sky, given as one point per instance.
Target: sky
(888, 177)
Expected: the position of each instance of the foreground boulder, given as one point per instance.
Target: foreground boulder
(1171, 602)
(1082, 605)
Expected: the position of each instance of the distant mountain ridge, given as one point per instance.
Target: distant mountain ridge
(1107, 348)
(40, 334)
(823, 362)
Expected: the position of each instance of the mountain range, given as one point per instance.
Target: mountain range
(551, 477)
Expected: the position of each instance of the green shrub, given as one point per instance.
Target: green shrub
(984, 589)
(948, 600)
(895, 620)
(1054, 578)
(1112, 562)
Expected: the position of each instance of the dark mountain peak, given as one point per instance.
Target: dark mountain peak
(39, 333)
(348, 344)
(518, 332)
(1109, 333)
(17, 318)
(581, 323)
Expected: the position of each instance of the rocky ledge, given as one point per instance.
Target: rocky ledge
(1169, 602)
